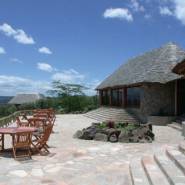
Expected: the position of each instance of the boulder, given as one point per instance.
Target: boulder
(101, 137)
(78, 134)
(113, 138)
(123, 137)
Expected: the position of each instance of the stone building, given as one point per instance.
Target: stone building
(147, 85)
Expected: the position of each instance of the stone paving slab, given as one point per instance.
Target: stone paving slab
(80, 162)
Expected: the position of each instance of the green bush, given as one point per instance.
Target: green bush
(66, 104)
(79, 104)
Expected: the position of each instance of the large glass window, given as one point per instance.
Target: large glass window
(117, 97)
(105, 97)
(133, 97)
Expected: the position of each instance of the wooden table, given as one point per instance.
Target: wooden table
(14, 130)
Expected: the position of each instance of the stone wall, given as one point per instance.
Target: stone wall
(156, 99)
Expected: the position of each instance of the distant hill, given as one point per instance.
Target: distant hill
(5, 99)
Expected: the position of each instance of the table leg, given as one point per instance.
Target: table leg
(2, 141)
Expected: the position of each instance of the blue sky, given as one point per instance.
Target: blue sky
(79, 41)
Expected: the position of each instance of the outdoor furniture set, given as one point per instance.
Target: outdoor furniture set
(31, 133)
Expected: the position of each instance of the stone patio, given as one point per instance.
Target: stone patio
(81, 162)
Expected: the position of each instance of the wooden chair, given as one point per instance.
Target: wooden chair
(1, 141)
(41, 142)
(21, 123)
(22, 141)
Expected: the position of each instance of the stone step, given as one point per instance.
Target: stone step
(109, 113)
(138, 174)
(100, 119)
(153, 172)
(173, 174)
(176, 126)
(178, 157)
(115, 114)
(103, 117)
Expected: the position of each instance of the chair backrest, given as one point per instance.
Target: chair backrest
(49, 113)
(18, 122)
(46, 134)
(37, 122)
(22, 139)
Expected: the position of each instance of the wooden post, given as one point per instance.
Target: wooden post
(100, 97)
(110, 97)
(125, 97)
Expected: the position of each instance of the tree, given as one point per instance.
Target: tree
(62, 90)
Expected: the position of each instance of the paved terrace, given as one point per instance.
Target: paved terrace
(80, 162)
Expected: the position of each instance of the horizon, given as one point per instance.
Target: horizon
(79, 42)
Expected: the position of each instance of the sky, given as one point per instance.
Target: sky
(79, 41)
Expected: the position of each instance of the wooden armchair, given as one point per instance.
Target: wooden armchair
(41, 142)
(21, 123)
(1, 141)
(22, 141)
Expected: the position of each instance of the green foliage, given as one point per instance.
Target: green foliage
(61, 90)
(120, 126)
(102, 125)
(72, 98)
(69, 98)
(78, 104)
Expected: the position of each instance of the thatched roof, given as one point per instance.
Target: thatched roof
(25, 98)
(180, 68)
(152, 67)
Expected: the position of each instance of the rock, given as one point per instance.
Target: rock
(78, 134)
(123, 138)
(101, 137)
(113, 138)
(113, 134)
(95, 124)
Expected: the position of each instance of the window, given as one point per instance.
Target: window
(133, 97)
(105, 97)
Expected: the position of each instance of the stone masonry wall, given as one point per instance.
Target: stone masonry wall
(156, 99)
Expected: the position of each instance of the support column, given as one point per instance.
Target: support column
(125, 97)
(110, 97)
(100, 97)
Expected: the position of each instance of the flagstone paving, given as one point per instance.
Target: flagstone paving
(80, 162)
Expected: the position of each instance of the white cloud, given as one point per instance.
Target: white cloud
(147, 16)
(45, 50)
(11, 85)
(180, 10)
(136, 6)
(2, 50)
(120, 13)
(18, 34)
(165, 11)
(16, 60)
(69, 76)
(45, 67)
(177, 9)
